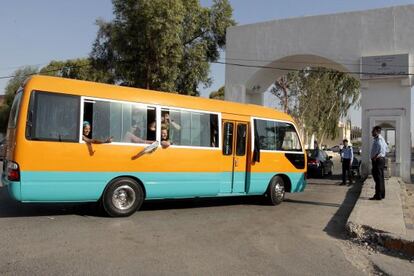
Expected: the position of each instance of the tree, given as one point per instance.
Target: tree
(19, 76)
(162, 45)
(80, 69)
(218, 95)
(318, 98)
(283, 90)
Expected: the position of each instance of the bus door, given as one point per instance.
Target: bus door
(235, 136)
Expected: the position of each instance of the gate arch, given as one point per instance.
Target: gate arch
(337, 41)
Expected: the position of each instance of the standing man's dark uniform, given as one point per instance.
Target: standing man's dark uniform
(347, 155)
(378, 151)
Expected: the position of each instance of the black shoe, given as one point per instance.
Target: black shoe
(342, 184)
(374, 198)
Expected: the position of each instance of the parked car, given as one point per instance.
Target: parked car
(336, 148)
(356, 150)
(319, 163)
(329, 152)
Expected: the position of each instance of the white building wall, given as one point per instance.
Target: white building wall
(335, 41)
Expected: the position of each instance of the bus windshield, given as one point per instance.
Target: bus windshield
(15, 109)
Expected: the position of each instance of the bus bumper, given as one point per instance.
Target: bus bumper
(13, 188)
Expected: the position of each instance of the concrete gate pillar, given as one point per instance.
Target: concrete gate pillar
(375, 45)
(387, 101)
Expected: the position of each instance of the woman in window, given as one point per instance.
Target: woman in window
(87, 132)
(165, 141)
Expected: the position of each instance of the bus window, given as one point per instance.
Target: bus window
(124, 122)
(53, 117)
(274, 135)
(228, 139)
(14, 112)
(191, 128)
(241, 140)
(291, 140)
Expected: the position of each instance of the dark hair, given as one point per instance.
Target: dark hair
(377, 129)
(345, 140)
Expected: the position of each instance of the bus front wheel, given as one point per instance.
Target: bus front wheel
(276, 190)
(122, 197)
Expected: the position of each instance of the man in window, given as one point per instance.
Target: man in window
(165, 119)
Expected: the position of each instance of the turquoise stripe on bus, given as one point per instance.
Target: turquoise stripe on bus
(259, 181)
(13, 187)
(89, 186)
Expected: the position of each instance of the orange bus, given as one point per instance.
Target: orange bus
(161, 145)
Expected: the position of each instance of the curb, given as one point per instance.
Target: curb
(370, 236)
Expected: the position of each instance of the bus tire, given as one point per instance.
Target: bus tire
(276, 191)
(122, 197)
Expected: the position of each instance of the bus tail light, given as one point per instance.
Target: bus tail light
(13, 171)
(313, 162)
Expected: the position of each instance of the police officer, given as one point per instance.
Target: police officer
(347, 155)
(378, 150)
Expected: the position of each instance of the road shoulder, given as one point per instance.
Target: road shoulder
(382, 222)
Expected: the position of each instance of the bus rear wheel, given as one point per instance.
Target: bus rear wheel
(122, 197)
(276, 191)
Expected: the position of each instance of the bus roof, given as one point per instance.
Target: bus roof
(123, 93)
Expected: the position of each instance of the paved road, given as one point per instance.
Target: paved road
(229, 236)
(302, 236)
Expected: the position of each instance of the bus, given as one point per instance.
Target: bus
(214, 148)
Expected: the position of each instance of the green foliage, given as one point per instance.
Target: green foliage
(162, 45)
(19, 76)
(287, 96)
(218, 95)
(318, 98)
(80, 69)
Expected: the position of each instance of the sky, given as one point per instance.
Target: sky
(37, 32)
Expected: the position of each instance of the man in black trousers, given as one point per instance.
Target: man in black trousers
(347, 155)
(378, 151)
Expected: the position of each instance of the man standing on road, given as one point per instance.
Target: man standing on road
(347, 155)
(378, 150)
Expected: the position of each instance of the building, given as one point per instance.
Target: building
(375, 45)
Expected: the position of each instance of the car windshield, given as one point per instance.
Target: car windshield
(313, 153)
(317, 154)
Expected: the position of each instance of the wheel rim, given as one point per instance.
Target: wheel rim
(123, 197)
(279, 191)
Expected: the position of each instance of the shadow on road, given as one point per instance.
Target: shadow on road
(11, 208)
(336, 225)
(165, 204)
(327, 204)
